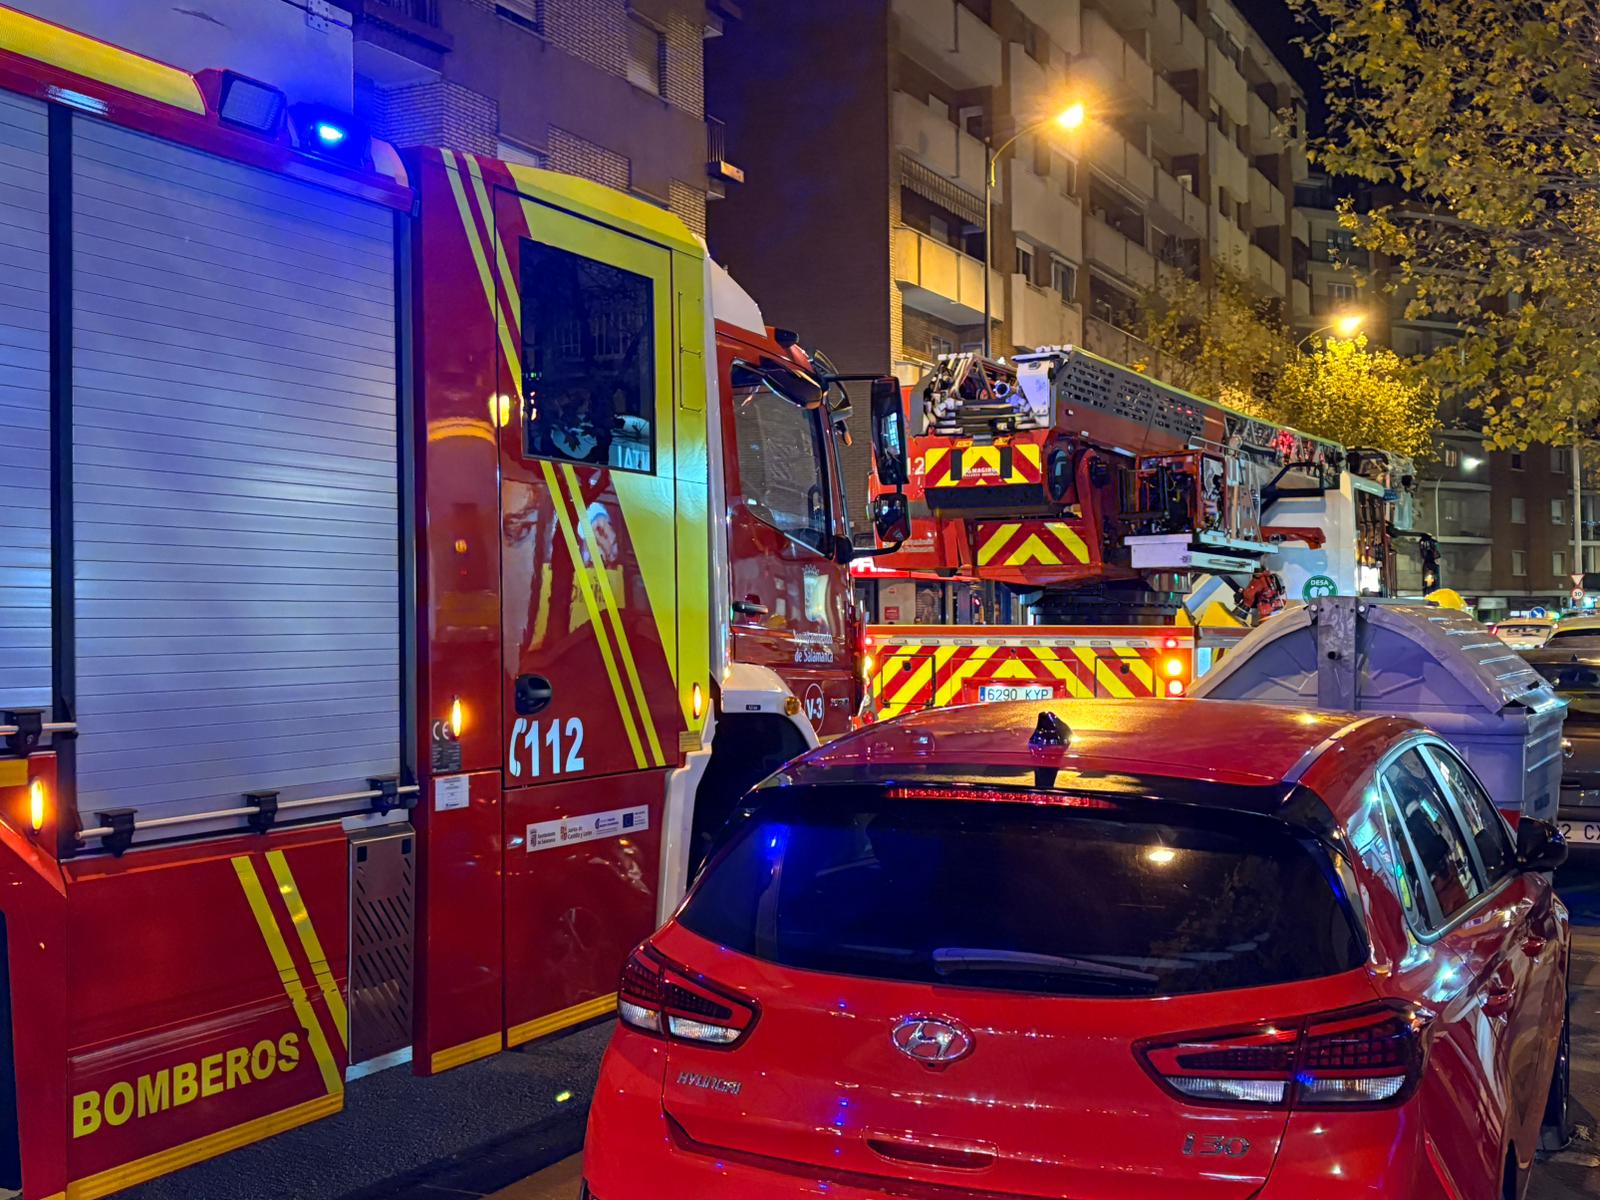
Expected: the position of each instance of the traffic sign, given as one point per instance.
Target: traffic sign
(1577, 595)
(1538, 612)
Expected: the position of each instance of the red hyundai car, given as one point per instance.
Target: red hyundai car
(1106, 951)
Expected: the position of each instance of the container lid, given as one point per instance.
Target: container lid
(1378, 656)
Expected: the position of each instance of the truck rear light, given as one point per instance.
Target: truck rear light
(1364, 1057)
(36, 800)
(659, 998)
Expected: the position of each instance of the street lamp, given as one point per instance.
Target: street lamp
(1069, 118)
(1346, 326)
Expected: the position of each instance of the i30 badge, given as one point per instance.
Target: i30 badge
(931, 1041)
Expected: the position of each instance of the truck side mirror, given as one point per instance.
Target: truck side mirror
(891, 518)
(1540, 846)
(889, 432)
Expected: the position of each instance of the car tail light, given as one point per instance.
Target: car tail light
(1361, 1057)
(657, 997)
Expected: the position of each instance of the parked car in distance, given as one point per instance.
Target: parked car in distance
(1523, 633)
(1575, 631)
(1574, 671)
(1100, 949)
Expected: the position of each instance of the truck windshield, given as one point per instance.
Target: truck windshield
(783, 472)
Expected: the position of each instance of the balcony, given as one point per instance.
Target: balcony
(1229, 245)
(1229, 167)
(1108, 341)
(1301, 227)
(1299, 299)
(1175, 40)
(1178, 118)
(1123, 258)
(1266, 272)
(397, 42)
(717, 165)
(1263, 131)
(938, 279)
(1227, 85)
(1042, 214)
(1110, 55)
(938, 143)
(1059, 18)
(951, 41)
(1039, 318)
(1032, 94)
(1266, 202)
(1116, 156)
(1180, 204)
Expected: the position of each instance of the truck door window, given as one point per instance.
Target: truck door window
(782, 473)
(588, 360)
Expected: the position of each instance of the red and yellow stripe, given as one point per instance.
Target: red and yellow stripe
(982, 466)
(1030, 543)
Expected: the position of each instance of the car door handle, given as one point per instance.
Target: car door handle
(750, 608)
(531, 694)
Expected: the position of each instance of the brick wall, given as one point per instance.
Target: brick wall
(577, 156)
(436, 113)
(688, 203)
(596, 31)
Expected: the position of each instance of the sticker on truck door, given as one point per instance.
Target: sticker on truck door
(568, 831)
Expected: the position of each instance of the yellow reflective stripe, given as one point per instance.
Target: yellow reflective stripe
(586, 590)
(455, 1056)
(309, 942)
(1101, 673)
(71, 51)
(279, 949)
(600, 1006)
(1064, 672)
(961, 674)
(1070, 540)
(1140, 665)
(508, 277)
(921, 676)
(480, 257)
(163, 1162)
(1027, 451)
(586, 529)
(1033, 549)
(996, 542)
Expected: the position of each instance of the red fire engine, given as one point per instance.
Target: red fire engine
(396, 547)
(1157, 523)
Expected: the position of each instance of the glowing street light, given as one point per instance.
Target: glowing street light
(1069, 118)
(1346, 326)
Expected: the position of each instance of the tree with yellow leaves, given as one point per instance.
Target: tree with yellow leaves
(1482, 120)
(1221, 342)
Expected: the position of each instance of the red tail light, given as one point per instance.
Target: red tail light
(1364, 1057)
(657, 997)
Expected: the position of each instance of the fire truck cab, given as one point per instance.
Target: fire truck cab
(393, 544)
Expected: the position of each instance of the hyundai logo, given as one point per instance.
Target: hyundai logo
(931, 1041)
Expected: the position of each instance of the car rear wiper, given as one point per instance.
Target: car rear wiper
(948, 960)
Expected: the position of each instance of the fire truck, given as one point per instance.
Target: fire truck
(1142, 528)
(397, 547)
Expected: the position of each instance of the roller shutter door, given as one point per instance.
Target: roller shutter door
(24, 406)
(235, 494)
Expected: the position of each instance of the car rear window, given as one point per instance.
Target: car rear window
(1023, 896)
(1579, 685)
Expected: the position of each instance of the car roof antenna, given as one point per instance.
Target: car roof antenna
(1051, 733)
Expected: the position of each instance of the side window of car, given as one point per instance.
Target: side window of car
(1435, 842)
(1375, 835)
(1485, 826)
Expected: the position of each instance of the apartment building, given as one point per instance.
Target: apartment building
(612, 90)
(866, 125)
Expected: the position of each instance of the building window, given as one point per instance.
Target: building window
(588, 354)
(1558, 459)
(527, 13)
(1519, 511)
(1516, 462)
(1558, 511)
(1069, 177)
(940, 345)
(1451, 456)
(1519, 563)
(1452, 508)
(647, 56)
(1064, 279)
(1025, 261)
(1341, 293)
(1558, 564)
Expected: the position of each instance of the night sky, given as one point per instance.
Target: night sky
(1277, 26)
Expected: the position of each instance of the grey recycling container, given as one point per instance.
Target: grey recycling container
(1357, 654)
